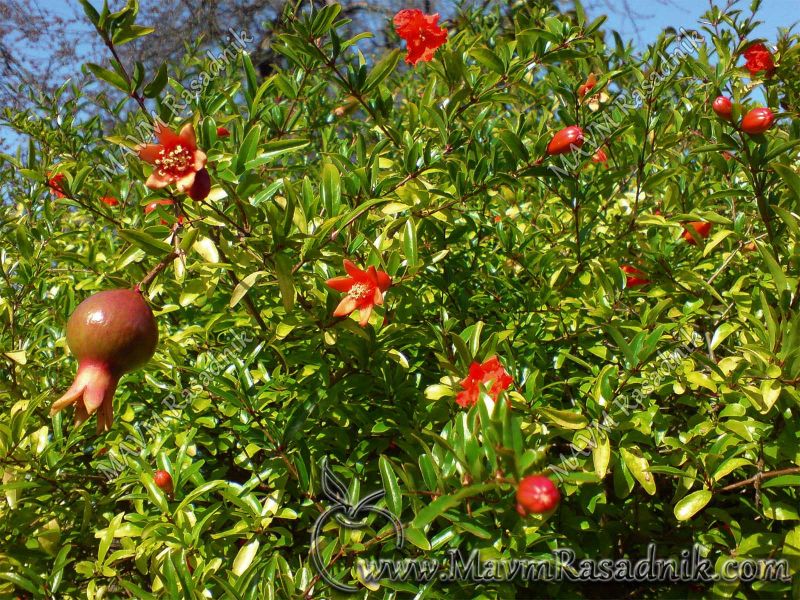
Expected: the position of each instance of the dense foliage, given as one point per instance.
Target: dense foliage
(650, 367)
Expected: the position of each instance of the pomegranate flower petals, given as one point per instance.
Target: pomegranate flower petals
(421, 32)
(176, 158)
(364, 291)
(492, 372)
(759, 58)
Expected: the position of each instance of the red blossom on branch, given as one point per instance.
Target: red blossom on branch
(364, 291)
(110, 200)
(486, 373)
(54, 183)
(758, 58)
(421, 32)
(176, 158)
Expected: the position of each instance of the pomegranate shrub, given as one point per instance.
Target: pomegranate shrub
(542, 291)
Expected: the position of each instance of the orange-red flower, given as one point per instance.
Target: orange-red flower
(222, 132)
(587, 87)
(175, 158)
(491, 374)
(364, 290)
(421, 32)
(634, 276)
(110, 200)
(758, 58)
(600, 156)
(55, 184)
(151, 206)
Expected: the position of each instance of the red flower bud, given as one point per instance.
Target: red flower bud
(110, 200)
(757, 121)
(222, 132)
(723, 107)
(537, 494)
(565, 140)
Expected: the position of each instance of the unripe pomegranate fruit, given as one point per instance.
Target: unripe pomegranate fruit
(537, 494)
(723, 107)
(757, 121)
(110, 333)
(565, 140)
(696, 229)
(201, 186)
(164, 481)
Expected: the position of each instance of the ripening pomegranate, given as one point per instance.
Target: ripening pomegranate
(565, 140)
(537, 494)
(757, 121)
(201, 186)
(164, 481)
(110, 333)
(694, 230)
(723, 107)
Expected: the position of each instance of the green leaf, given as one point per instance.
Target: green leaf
(639, 467)
(331, 189)
(144, 241)
(410, 243)
(244, 286)
(394, 499)
(273, 149)
(153, 89)
(283, 266)
(790, 178)
(248, 148)
(111, 77)
(564, 418)
(690, 505)
(382, 69)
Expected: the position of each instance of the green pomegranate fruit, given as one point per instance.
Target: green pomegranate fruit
(110, 333)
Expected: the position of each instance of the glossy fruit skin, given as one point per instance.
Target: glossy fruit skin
(703, 228)
(757, 121)
(565, 141)
(201, 186)
(723, 107)
(163, 480)
(115, 328)
(537, 494)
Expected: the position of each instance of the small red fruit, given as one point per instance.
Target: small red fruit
(750, 247)
(201, 186)
(723, 107)
(634, 276)
(565, 141)
(537, 494)
(163, 480)
(110, 333)
(222, 132)
(757, 121)
(694, 230)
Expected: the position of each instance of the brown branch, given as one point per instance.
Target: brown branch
(757, 478)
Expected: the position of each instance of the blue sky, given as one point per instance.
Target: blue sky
(652, 16)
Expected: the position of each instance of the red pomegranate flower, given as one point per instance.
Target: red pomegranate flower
(222, 132)
(488, 372)
(696, 230)
(634, 276)
(55, 184)
(364, 290)
(759, 58)
(600, 157)
(110, 200)
(421, 32)
(176, 158)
